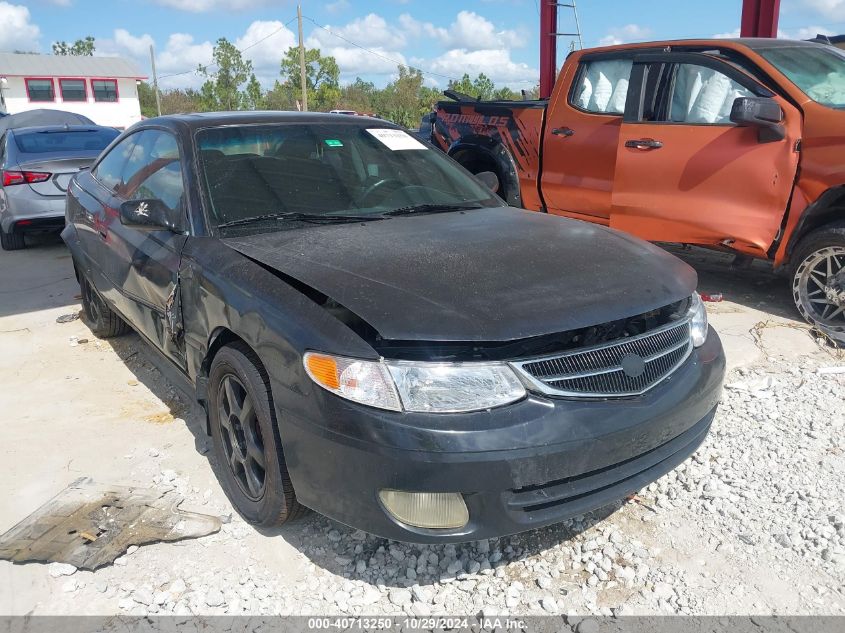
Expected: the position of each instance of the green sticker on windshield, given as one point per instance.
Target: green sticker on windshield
(333, 142)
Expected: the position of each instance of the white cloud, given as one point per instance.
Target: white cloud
(264, 43)
(469, 31)
(625, 34)
(727, 35)
(338, 7)
(806, 33)
(17, 32)
(830, 9)
(495, 63)
(372, 31)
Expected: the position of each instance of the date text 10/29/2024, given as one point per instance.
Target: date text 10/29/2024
(414, 623)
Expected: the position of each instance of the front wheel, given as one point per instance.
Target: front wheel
(818, 280)
(11, 241)
(246, 441)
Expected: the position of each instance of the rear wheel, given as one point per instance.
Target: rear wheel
(11, 241)
(102, 320)
(246, 439)
(818, 280)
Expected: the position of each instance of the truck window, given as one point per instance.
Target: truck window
(703, 95)
(601, 86)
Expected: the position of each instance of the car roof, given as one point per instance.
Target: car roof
(754, 43)
(200, 120)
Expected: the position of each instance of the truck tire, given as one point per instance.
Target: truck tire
(245, 434)
(818, 280)
(102, 320)
(11, 241)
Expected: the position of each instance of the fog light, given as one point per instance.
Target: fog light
(438, 510)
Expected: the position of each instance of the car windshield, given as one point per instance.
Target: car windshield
(54, 141)
(819, 71)
(284, 175)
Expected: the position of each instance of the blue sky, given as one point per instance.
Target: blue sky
(446, 39)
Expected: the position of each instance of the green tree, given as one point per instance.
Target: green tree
(360, 96)
(482, 87)
(222, 89)
(147, 97)
(506, 94)
(280, 97)
(176, 101)
(254, 94)
(322, 77)
(83, 47)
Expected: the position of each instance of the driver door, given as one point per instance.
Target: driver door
(685, 172)
(143, 262)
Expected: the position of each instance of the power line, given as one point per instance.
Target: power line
(246, 48)
(372, 52)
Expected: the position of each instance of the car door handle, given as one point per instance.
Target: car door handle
(644, 144)
(563, 131)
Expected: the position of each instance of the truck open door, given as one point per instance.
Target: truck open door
(705, 154)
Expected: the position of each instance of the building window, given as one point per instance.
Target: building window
(104, 89)
(40, 90)
(73, 89)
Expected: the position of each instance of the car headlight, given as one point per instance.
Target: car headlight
(697, 320)
(416, 386)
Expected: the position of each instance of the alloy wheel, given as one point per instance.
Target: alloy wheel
(819, 287)
(241, 434)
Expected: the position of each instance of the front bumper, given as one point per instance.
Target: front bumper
(519, 467)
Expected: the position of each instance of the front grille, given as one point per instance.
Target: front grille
(626, 367)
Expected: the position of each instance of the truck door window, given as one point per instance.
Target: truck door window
(154, 171)
(602, 86)
(703, 96)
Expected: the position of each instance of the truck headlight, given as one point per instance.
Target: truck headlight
(416, 386)
(698, 320)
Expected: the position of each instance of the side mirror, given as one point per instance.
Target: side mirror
(149, 213)
(761, 112)
(489, 179)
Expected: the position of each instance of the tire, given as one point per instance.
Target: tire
(11, 241)
(818, 280)
(102, 320)
(246, 439)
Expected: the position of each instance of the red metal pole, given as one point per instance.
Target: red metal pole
(760, 18)
(548, 46)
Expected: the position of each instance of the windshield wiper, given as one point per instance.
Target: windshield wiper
(432, 208)
(316, 218)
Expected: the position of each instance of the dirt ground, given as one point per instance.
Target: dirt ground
(109, 410)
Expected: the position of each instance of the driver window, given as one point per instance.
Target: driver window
(702, 95)
(154, 171)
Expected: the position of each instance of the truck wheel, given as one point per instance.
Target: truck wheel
(11, 241)
(246, 439)
(102, 320)
(818, 280)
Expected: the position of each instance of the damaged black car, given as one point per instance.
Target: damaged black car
(376, 336)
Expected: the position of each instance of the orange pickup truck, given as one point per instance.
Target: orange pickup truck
(731, 144)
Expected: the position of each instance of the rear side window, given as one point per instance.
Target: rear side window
(64, 141)
(702, 95)
(601, 86)
(109, 170)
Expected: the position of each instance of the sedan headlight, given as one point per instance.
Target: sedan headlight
(416, 386)
(698, 320)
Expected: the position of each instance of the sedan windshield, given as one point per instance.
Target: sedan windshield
(819, 71)
(283, 175)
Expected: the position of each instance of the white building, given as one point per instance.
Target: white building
(105, 89)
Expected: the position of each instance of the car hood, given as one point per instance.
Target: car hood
(497, 274)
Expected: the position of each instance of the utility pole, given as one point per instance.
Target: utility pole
(303, 83)
(155, 79)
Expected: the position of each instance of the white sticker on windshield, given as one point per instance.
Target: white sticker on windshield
(396, 139)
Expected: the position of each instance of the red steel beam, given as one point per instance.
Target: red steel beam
(760, 18)
(548, 46)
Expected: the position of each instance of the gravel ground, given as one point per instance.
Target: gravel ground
(753, 523)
